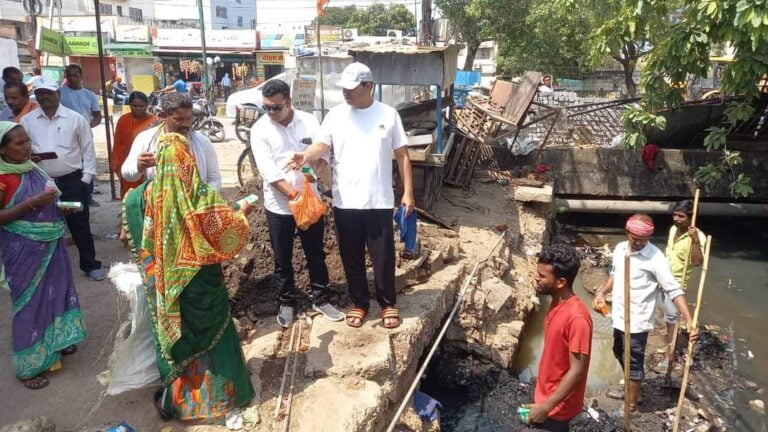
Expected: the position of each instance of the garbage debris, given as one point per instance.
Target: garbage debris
(37, 424)
(426, 406)
(757, 406)
(121, 427)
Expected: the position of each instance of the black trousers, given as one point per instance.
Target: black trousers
(282, 230)
(79, 224)
(357, 229)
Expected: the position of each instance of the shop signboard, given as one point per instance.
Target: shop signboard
(221, 39)
(303, 94)
(50, 42)
(80, 23)
(132, 33)
(270, 58)
(81, 45)
(130, 50)
(328, 33)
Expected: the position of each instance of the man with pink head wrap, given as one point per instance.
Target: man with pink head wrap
(649, 272)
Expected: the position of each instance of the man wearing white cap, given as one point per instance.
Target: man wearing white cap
(54, 128)
(364, 134)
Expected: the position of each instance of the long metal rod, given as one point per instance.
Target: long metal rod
(627, 343)
(285, 374)
(104, 99)
(689, 356)
(440, 336)
(293, 376)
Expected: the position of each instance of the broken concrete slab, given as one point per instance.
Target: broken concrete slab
(532, 194)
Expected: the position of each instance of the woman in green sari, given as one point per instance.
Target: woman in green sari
(180, 230)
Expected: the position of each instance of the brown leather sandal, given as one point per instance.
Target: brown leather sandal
(356, 313)
(388, 313)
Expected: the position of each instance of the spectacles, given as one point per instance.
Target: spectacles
(273, 108)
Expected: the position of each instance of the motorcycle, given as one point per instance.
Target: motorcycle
(203, 120)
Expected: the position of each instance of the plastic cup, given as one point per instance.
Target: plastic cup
(523, 413)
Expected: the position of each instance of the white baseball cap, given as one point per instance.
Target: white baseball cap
(353, 75)
(46, 83)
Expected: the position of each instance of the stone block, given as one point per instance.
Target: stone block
(434, 262)
(497, 294)
(533, 194)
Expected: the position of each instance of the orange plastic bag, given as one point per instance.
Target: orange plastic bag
(307, 207)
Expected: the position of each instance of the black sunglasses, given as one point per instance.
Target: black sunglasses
(273, 108)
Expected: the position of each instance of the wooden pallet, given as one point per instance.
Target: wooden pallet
(461, 162)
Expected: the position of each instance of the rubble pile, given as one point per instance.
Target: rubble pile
(248, 277)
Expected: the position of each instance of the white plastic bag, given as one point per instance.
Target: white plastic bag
(132, 364)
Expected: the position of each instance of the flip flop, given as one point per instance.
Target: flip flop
(356, 313)
(390, 312)
(69, 350)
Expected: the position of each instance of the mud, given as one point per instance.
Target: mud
(248, 277)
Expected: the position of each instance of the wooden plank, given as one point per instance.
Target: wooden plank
(518, 107)
(503, 92)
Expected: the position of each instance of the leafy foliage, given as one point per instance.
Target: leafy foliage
(374, 20)
(550, 40)
(684, 36)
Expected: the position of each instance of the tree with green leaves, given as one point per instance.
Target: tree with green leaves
(337, 16)
(550, 40)
(472, 22)
(377, 18)
(696, 29)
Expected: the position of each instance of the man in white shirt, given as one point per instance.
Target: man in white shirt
(649, 271)
(177, 113)
(55, 128)
(364, 134)
(274, 140)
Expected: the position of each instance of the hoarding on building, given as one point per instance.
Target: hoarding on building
(132, 33)
(49, 41)
(327, 34)
(190, 38)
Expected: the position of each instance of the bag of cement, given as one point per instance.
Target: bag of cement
(132, 364)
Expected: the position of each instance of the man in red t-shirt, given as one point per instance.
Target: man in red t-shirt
(562, 379)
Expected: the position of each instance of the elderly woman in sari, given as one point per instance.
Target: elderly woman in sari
(47, 321)
(17, 97)
(126, 130)
(180, 230)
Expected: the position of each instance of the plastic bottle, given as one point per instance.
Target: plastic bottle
(307, 171)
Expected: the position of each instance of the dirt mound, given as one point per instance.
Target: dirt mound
(249, 276)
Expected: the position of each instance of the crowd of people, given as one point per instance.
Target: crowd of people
(179, 230)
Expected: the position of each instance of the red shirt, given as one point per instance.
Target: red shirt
(567, 328)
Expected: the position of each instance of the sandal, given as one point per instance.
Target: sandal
(36, 383)
(388, 313)
(356, 313)
(69, 350)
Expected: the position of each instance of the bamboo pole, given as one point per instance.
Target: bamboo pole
(689, 356)
(684, 285)
(627, 342)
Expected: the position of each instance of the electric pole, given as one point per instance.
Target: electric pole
(205, 52)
